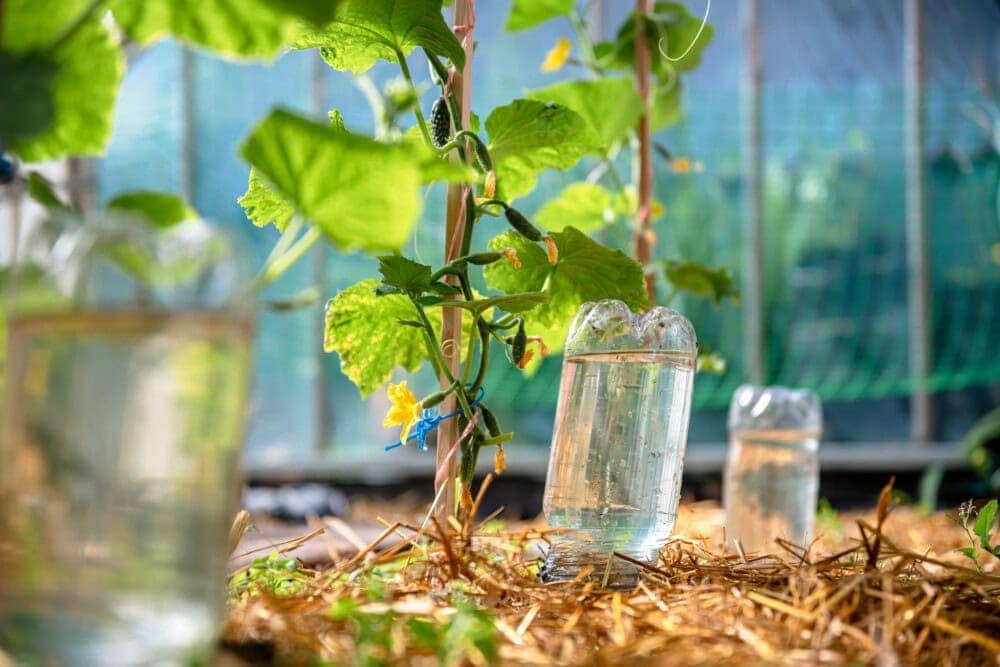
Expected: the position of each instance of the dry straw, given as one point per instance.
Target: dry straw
(894, 594)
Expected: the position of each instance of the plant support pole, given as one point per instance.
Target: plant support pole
(644, 234)
(753, 196)
(917, 264)
(451, 318)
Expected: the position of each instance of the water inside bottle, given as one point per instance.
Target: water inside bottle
(120, 448)
(770, 489)
(615, 470)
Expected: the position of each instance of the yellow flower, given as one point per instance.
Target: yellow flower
(405, 410)
(510, 254)
(557, 55)
(681, 165)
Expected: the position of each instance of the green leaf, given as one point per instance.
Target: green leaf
(42, 191)
(263, 205)
(677, 29)
(27, 79)
(984, 524)
(405, 274)
(666, 104)
(242, 28)
(338, 180)
(64, 98)
(710, 361)
(670, 30)
(610, 105)
(700, 280)
(365, 31)
(585, 271)
(161, 208)
(33, 25)
(528, 136)
(969, 552)
(526, 14)
(512, 303)
(585, 206)
(362, 328)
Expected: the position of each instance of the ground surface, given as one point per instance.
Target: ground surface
(878, 587)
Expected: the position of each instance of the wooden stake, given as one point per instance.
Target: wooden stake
(644, 234)
(451, 318)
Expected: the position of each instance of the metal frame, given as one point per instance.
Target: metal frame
(532, 463)
(917, 260)
(753, 197)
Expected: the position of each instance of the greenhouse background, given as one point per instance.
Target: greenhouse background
(848, 289)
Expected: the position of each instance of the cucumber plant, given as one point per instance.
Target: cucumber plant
(318, 181)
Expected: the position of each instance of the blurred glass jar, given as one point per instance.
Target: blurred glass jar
(618, 445)
(771, 479)
(127, 366)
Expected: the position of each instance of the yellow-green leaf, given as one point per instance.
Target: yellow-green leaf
(364, 330)
(585, 271)
(338, 180)
(263, 205)
(365, 31)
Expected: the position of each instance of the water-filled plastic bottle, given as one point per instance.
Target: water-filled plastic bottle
(618, 445)
(772, 467)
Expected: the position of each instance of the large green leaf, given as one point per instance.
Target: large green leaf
(263, 205)
(243, 28)
(163, 209)
(526, 14)
(585, 206)
(528, 137)
(338, 180)
(64, 98)
(611, 105)
(364, 330)
(585, 271)
(701, 280)
(32, 25)
(365, 31)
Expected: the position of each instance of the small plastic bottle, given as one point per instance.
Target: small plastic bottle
(772, 467)
(618, 445)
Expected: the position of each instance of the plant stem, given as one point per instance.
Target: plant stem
(416, 107)
(438, 358)
(586, 44)
(275, 269)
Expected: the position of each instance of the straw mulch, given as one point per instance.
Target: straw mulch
(890, 590)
